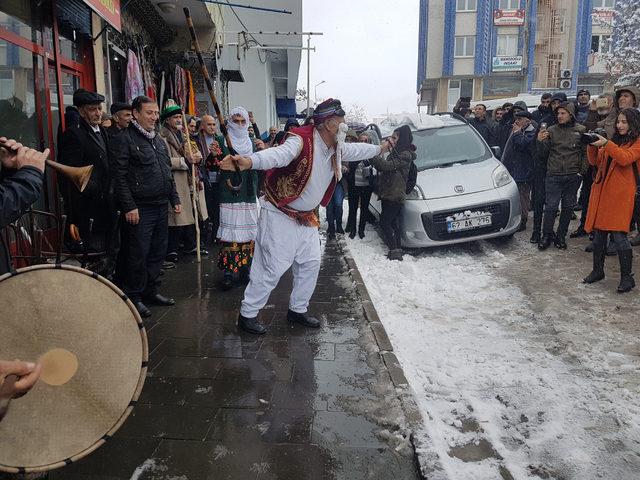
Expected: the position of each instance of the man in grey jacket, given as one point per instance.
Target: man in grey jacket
(560, 148)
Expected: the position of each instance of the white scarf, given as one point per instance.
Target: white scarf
(239, 134)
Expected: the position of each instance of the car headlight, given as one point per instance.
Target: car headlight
(501, 177)
(415, 194)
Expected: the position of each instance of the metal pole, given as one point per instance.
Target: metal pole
(308, 72)
(275, 33)
(227, 4)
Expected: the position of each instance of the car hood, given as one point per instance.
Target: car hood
(459, 179)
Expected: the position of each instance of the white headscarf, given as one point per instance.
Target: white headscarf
(238, 134)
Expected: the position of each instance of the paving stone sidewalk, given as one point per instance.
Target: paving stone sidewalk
(293, 404)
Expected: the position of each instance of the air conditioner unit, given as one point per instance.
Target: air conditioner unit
(565, 84)
(566, 73)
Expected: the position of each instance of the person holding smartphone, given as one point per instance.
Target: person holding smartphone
(613, 195)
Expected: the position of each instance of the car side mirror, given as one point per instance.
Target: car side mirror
(497, 151)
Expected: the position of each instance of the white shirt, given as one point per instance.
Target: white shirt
(322, 171)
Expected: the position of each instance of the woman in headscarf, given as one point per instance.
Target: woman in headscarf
(238, 207)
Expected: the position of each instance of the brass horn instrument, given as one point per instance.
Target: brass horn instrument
(78, 175)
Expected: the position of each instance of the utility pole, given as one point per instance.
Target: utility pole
(308, 72)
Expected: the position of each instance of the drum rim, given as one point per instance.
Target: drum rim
(141, 379)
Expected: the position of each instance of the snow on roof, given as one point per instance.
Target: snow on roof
(417, 121)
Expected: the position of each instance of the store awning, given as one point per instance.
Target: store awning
(109, 10)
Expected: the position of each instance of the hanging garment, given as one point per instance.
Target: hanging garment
(134, 86)
(181, 85)
(191, 102)
(162, 87)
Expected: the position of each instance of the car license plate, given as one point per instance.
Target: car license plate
(469, 223)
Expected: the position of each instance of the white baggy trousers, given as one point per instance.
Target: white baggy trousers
(281, 243)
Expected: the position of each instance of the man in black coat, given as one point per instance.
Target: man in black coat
(86, 143)
(120, 118)
(543, 109)
(482, 124)
(143, 187)
(21, 178)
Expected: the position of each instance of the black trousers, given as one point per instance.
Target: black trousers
(359, 198)
(186, 233)
(146, 247)
(585, 194)
(212, 198)
(560, 188)
(390, 223)
(538, 198)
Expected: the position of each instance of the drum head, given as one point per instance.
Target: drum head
(68, 312)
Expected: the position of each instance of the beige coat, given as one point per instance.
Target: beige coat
(183, 187)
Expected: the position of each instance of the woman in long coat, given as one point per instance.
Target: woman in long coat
(613, 195)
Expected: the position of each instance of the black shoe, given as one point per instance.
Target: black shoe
(158, 299)
(172, 257)
(535, 237)
(250, 325)
(361, 234)
(545, 242)
(302, 319)
(579, 232)
(168, 265)
(352, 234)
(627, 281)
(395, 254)
(142, 309)
(339, 229)
(560, 243)
(589, 247)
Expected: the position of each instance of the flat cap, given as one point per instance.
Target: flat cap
(117, 106)
(85, 97)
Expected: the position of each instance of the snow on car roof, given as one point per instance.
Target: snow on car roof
(417, 121)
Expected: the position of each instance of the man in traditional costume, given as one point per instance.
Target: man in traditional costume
(301, 173)
(238, 207)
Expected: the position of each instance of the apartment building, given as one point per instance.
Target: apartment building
(502, 48)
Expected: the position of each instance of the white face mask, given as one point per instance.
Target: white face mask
(341, 134)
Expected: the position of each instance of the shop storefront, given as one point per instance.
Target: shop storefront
(45, 54)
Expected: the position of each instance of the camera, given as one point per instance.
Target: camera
(591, 137)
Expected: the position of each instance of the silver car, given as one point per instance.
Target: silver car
(463, 193)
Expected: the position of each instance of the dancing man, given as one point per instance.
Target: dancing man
(302, 173)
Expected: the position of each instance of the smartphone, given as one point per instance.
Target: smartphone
(543, 126)
(602, 103)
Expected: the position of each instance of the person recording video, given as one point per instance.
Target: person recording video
(613, 194)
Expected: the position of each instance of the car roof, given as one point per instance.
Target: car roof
(418, 121)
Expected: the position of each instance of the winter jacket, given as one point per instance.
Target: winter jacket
(540, 113)
(142, 171)
(393, 172)
(484, 128)
(519, 154)
(582, 111)
(181, 171)
(613, 191)
(595, 120)
(17, 192)
(562, 151)
(502, 131)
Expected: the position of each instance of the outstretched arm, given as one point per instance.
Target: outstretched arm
(274, 157)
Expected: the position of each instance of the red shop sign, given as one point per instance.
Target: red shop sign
(506, 18)
(109, 10)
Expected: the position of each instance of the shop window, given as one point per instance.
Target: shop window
(507, 45)
(465, 46)
(24, 18)
(466, 5)
(459, 88)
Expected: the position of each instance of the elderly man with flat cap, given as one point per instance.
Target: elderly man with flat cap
(302, 173)
(86, 143)
(120, 118)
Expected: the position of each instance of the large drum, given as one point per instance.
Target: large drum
(93, 348)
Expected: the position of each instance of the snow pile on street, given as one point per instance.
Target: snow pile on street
(501, 388)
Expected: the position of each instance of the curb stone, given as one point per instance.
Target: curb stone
(431, 469)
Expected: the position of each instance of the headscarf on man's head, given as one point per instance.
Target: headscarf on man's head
(238, 134)
(327, 109)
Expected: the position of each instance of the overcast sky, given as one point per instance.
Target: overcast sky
(367, 55)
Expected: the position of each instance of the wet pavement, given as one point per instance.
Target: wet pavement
(295, 403)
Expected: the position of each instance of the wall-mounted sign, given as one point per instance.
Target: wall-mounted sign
(109, 10)
(507, 64)
(603, 16)
(508, 18)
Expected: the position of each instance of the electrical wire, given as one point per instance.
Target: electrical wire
(246, 30)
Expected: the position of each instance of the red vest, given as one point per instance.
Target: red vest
(284, 185)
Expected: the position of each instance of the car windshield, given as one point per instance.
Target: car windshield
(438, 147)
